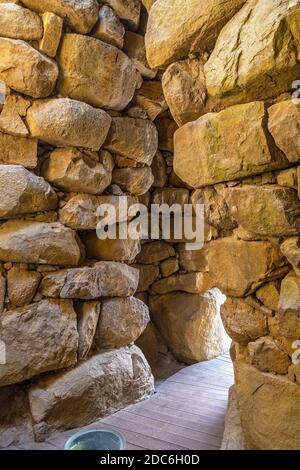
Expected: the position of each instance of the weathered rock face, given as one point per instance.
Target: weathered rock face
(26, 70)
(291, 250)
(225, 146)
(22, 241)
(284, 124)
(95, 72)
(52, 26)
(256, 55)
(265, 210)
(269, 407)
(104, 279)
(18, 151)
(192, 283)
(64, 123)
(134, 47)
(80, 16)
(121, 322)
(173, 31)
(267, 356)
(135, 139)
(17, 22)
(23, 192)
(190, 324)
(128, 11)
(73, 171)
(40, 337)
(155, 251)
(87, 320)
(238, 267)
(290, 293)
(111, 250)
(97, 387)
(109, 28)
(136, 181)
(22, 286)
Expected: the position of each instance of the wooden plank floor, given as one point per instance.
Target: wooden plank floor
(186, 412)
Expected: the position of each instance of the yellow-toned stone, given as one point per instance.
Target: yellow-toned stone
(52, 33)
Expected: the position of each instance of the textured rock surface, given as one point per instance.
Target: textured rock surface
(284, 124)
(128, 11)
(175, 31)
(111, 250)
(64, 123)
(37, 242)
(109, 28)
(233, 438)
(95, 72)
(266, 355)
(52, 25)
(87, 320)
(97, 387)
(136, 181)
(17, 22)
(256, 53)
(22, 286)
(225, 146)
(23, 192)
(190, 324)
(26, 70)
(18, 150)
(267, 426)
(121, 322)
(81, 16)
(104, 279)
(39, 337)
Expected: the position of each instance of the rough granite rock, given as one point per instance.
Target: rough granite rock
(128, 11)
(135, 139)
(223, 146)
(269, 407)
(256, 54)
(64, 123)
(242, 321)
(87, 321)
(79, 15)
(39, 337)
(268, 210)
(81, 211)
(23, 193)
(267, 355)
(136, 181)
(191, 324)
(238, 267)
(18, 150)
(53, 26)
(26, 70)
(104, 279)
(17, 22)
(284, 125)
(95, 72)
(109, 28)
(96, 388)
(74, 171)
(121, 322)
(23, 241)
(174, 31)
(22, 286)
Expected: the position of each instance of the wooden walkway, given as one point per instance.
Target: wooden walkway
(186, 412)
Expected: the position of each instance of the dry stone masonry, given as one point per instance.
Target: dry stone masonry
(228, 70)
(158, 104)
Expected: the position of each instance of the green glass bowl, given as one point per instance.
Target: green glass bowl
(96, 439)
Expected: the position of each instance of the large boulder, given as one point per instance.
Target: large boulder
(121, 322)
(74, 171)
(225, 146)
(135, 139)
(267, 210)
(176, 30)
(238, 267)
(256, 54)
(40, 337)
(26, 70)
(23, 241)
(68, 123)
(23, 192)
(95, 72)
(104, 279)
(18, 150)
(17, 22)
(284, 125)
(269, 409)
(243, 320)
(191, 324)
(80, 16)
(98, 387)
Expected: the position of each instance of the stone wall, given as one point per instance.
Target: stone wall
(228, 72)
(72, 137)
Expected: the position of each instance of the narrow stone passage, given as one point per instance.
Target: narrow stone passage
(186, 412)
